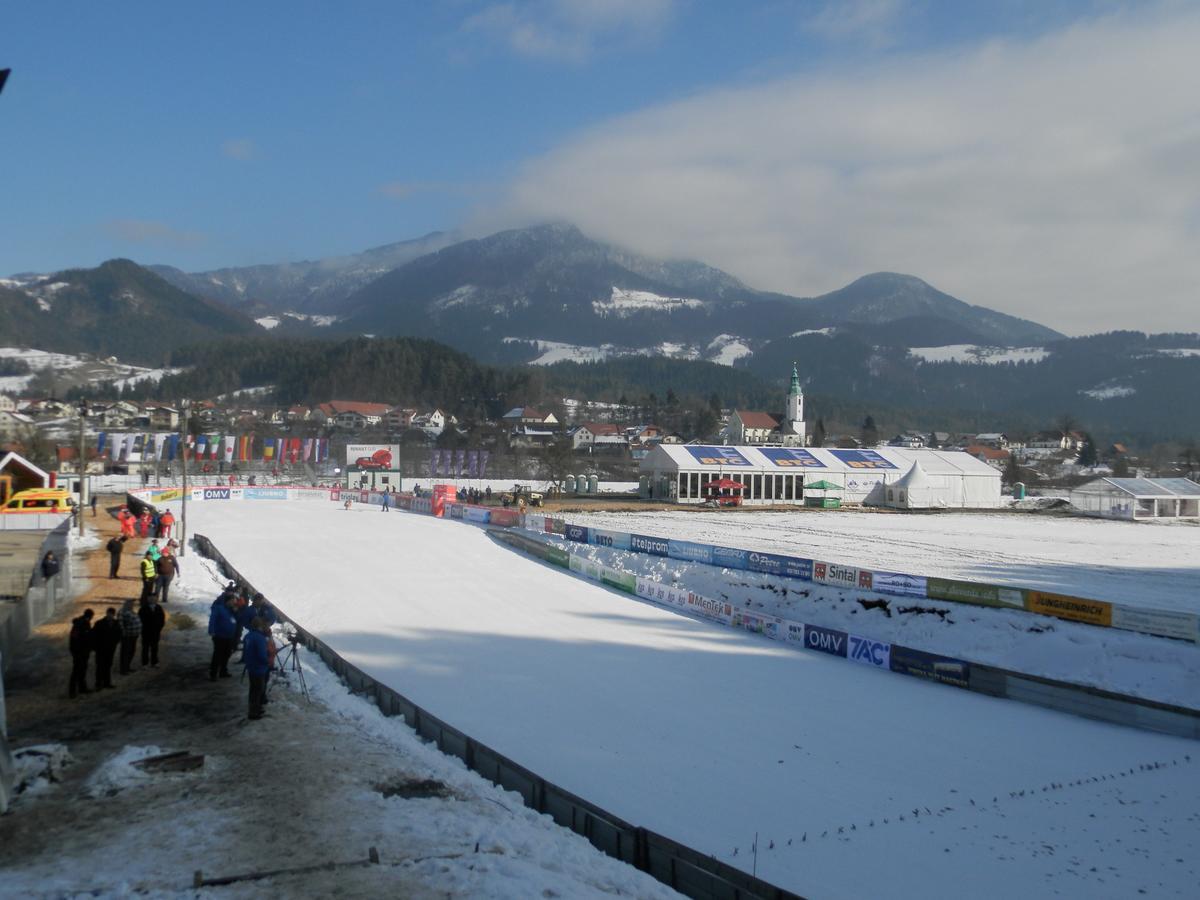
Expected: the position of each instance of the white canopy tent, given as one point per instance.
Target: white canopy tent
(949, 479)
(1138, 498)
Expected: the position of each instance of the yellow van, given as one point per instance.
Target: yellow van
(40, 500)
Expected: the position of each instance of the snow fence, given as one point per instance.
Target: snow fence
(688, 871)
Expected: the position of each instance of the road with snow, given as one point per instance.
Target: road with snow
(858, 782)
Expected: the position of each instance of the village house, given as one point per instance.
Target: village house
(15, 426)
(399, 418)
(996, 458)
(7, 403)
(592, 436)
(162, 418)
(749, 427)
(528, 415)
(351, 415)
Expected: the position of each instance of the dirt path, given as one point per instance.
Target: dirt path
(257, 804)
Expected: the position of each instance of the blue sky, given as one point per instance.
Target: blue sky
(237, 133)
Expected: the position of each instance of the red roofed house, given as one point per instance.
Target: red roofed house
(350, 414)
(593, 434)
(993, 456)
(747, 427)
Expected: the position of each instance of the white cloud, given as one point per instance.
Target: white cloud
(872, 21)
(146, 231)
(239, 148)
(1056, 178)
(568, 30)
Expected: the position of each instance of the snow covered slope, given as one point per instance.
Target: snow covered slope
(712, 736)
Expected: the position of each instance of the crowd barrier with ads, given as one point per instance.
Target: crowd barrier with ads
(684, 869)
(1081, 700)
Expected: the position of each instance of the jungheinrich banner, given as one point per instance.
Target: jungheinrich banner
(1077, 609)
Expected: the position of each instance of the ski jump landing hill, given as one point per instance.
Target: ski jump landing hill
(899, 744)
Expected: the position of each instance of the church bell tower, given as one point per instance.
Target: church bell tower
(795, 408)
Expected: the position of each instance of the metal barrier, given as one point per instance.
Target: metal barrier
(688, 871)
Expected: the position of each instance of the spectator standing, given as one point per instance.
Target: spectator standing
(80, 643)
(144, 523)
(387, 499)
(50, 565)
(131, 627)
(165, 523)
(155, 524)
(222, 627)
(154, 550)
(114, 546)
(149, 576)
(106, 638)
(93, 505)
(255, 660)
(167, 566)
(153, 619)
(127, 520)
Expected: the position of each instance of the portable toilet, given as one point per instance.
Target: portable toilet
(1019, 490)
(644, 486)
(593, 484)
(581, 484)
(569, 484)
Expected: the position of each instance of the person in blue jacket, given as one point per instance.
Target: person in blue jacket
(255, 659)
(222, 627)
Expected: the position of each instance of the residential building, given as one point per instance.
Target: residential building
(994, 457)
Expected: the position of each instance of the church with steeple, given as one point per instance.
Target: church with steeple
(792, 429)
(771, 429)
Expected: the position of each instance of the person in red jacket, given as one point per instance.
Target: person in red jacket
(144, 523)
(165, 523)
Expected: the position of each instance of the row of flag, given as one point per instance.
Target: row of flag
(223, 447)
(471, 463)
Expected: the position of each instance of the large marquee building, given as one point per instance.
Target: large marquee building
(769, 476)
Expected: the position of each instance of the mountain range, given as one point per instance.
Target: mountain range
(549, 293)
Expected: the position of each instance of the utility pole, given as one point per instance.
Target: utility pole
(183, 451)
(83, 411)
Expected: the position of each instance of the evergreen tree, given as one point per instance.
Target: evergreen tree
(1087, 453)
(818, 436)
(1012, 471)
(870, 433)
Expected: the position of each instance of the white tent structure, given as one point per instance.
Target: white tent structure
(1138, 498)
(947, 479)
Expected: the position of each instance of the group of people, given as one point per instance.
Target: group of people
(231, 615)
(112, 632)
(150, 524)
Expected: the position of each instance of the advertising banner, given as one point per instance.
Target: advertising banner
(794, 632)
(692, 552)
(642, 543)
(717, 610)
(534, 522)
(825, 640)
(622, 581)
(943, 669)
(1077, 609)
(768, 626)
(730, 558)
(789, 458)
(558, 556)
(783, 566)
(971, 592)
(372, 456)
(264, 493)
(618, 540)
(456, 510)
(1156, 621)
(869, 652)
(841, 576)
(215, 493)
(898, 583)
(577, 533)
(505, 518)
(423, 505)
(166, 496)
(556, 526)
(309, 494)
(718, 456)
(862, 459)
(664, 594)
(582, 565)
(479, 514)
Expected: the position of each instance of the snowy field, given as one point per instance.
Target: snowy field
(858, 782)
(1152, 565)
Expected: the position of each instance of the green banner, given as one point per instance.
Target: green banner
(974, 593)
(558, 556)
(622, 581)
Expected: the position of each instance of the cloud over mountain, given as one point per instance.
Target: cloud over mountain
(1056, 177)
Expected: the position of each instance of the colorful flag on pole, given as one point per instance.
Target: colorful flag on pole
(307, 448)
(172, 447)
(160, 443)
(227, 449)
(100, 441)
(268, 449)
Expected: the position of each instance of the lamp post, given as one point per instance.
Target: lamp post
(183, 451)
(83, 411)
